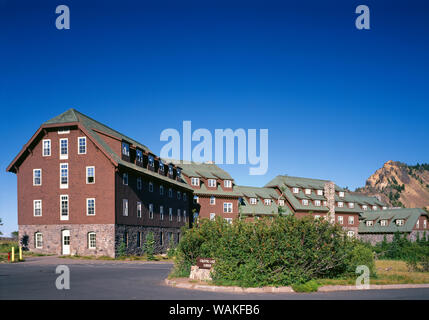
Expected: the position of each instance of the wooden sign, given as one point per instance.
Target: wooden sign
(205, 263)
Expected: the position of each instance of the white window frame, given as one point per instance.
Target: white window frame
(383, 222)
(179, 215)
(64, 185)
(341, 194)
(425, 224)
(369, 223)
(139, 209)
(161, 212)
(227, 207)
(281, 202)
(67, 199)
(340, 219)
(295, 190)
(63, 131)
(227, 183)
(229, 220)
(320, 192)
(170, 214)
(364, 207)
(253, 201)
(212, 200)
(126, 150)
(195, 181)
(351, 220)
(34, 208)
(38, 243)
(64, 156)
(34, 177)
(307, 191)
(125, 178)
(305, 202)
(212, 216)
(340, 204)
(212, 183)
(350, 233)
(317, 203)
(325, 203)
(351, 205)
(375, 208)
(184, 215)
(125, 207)
(43, 148)
(87, 176)
(150, 210)
(161, 190)
(87, 206)
(267, 202)
(400, 222)
(78, 145)
(90, 246)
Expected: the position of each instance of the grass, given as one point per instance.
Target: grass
(124, 258)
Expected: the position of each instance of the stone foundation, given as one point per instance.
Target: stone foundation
(52, 243)
(376, 238)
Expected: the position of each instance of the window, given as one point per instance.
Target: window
(139, 239)
(195, 181)
(320, 192)
(161, 212)
(305, 202)
(179, 195)
(169, 236)
(350, 233)
(307, 191)
(81, 142)
(374, 207)
(212, 183)
(340, 219)
(37, 208)
(170, 193)
(150, 211)
(364, 207)
(139, 209)
(295, 190)
(184, 215)
(185, 197)
(383, 223)
(179, 215)
(125, 207)
(212, 200)
(400, 222)
(139, 156)
(64, 148)
(212, 216)
(370, 223)
(37, 177)
(351, 220)
(151, 161)
(139, 183)
(125, 239)
(227, 183)
(92, 240)
(325, 203)
(178, 172)
(125, 178)
(340, 204)
(384, 208)
(38, 240)
(341, 194)
(90, 207)
(170, 214)
(317, 203)
(90, 175)
(64, 175)
(316, 217)
(125, 149)
(351, 205)
(161, 238)
(170, 169)
(229, 220)
(63, 131)
(196, 199)
(281, 202)
(267, 202)
(227, 207)
(161, 166)
(46, 147)
(64, 207)
(161, 190)
(253, 200)
(150, 187)
(425, 224)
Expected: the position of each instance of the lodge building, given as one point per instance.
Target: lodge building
(84, 189)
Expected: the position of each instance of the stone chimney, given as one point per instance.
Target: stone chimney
(329, 193)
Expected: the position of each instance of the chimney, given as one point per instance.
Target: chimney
(330, 199)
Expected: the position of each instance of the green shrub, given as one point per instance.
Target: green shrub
(310, 286)
(150, 246)
(122, 250)
(280, 251)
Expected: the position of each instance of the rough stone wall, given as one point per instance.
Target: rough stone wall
(329, 193)
(133, 231)
(52, 242)
(376, 238)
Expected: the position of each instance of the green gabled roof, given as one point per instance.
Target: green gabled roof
(217, 192)
(362, 199)
(256, 192)
(300, 183)
(410, 215)
(204, 170)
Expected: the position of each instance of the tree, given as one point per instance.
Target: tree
(150, 246)
(15, 234)
(1, 225)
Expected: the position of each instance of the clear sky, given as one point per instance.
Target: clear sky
(338, 102)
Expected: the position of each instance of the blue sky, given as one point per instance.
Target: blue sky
(338, 102)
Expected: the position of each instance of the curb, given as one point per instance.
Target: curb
(234, 289)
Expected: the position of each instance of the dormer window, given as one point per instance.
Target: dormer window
(320, 192)
(374, 207)
(383, 223)
(170, 193)
(161, 166)
(341, 194)
(307, 191)
(151, 161)
(364, 207)
(178, 172)
(281, 202)
(369, 223)
(195, 181)
(351, 205)
(179, 195)
(317, 203)
(425, 223)
(139, 156)
(400, 222)
(325, 203)
(340, 204)
(212, 183)
(295, 190)
(170, 169)
(384, 208)
(253, 200)
(305, 202)
(125, 149)
(267, 202)
(125, 179)
(227, 183)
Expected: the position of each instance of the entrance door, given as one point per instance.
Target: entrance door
(65, 236)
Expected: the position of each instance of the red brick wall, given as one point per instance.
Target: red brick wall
(207, 208)
(49, 192)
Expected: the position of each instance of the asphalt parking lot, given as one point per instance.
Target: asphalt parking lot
(36, 278)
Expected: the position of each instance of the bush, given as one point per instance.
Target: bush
(279, 251)
(310, 286)
(150, 246)
(122, 250)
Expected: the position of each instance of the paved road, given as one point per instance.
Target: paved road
(35, 279)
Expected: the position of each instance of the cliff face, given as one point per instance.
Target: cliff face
(400, 185)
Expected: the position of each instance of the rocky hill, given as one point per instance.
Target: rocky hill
(400, 185)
